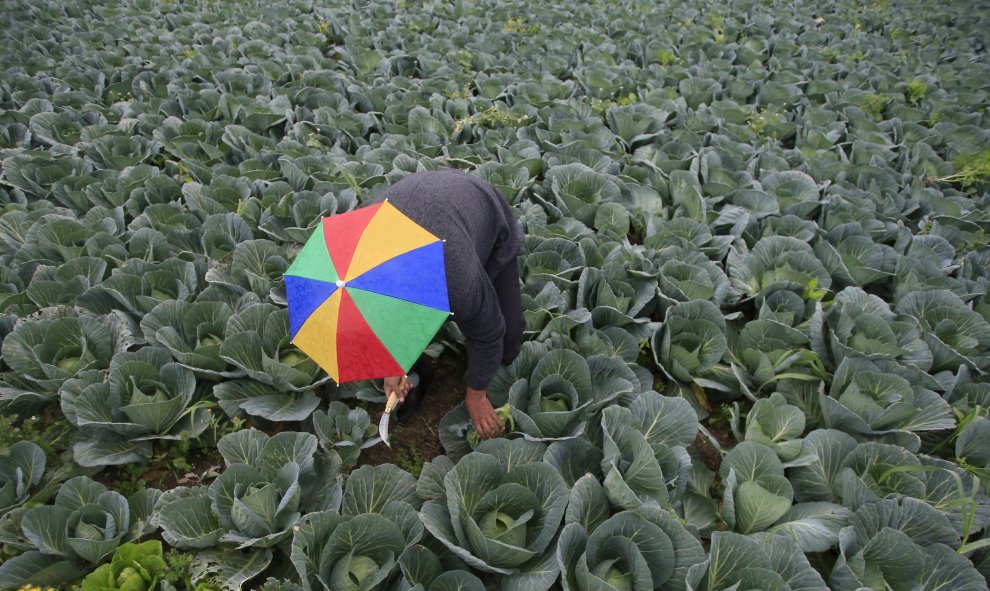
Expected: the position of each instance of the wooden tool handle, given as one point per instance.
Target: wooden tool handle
(393, 398)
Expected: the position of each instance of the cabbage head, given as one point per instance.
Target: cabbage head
(902, 544)
(871, 402)
(257, 343)
(267, 485)
(498, 509)
(134, 567)
(616, 297)
(360, 546)
(840, 470)
(49, 351)
(580, 191)
(86, 522)
(345, 430)
(766, 351)
(138, 286)
(551, 392)
(146, 396)
(754, 563)
(776, 262)
(686, 274)
(423, 571)
(635, 550)
(858, 324)
(775, 424)
(691, 341)
(193, 333)
(645, 459)
(256, 266)
(955, 333)
(22, 466)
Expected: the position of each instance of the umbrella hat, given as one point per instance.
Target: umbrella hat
(367, 293)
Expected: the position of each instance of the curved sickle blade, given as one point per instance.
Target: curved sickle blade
(383, 427)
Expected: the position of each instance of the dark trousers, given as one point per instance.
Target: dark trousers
(509, 293)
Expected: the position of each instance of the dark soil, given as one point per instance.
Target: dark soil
(163, 473)
(722, 433)
(204, 469)
(709, 456)
(417, 441)
(719, 429)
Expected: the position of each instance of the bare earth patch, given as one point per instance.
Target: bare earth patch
(418, 441)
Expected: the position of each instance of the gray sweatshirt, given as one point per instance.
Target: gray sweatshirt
(482, 237)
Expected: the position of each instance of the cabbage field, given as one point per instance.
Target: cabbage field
(756, 292)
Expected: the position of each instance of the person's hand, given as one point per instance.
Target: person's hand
(392, 385)
(486, 421)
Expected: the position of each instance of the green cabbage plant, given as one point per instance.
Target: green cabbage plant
(840, 470)
(551, 393)
(552, 258)
(775, 262)
(86, 522)
(22, 466)
(774, 423)
(617, 298)
(193, 333)
(691, 341)
(579, 190)
(498, 509)
(853, 257)
(52, 239)
(423, 570)
(858, 324)
(65, 283)
(282, 378)
(689, 236)
(145, 396)
(346, 430)
(905, 544)
(759, 497)
(360, 546)
(644, 549)
(267, 485)
(182, 228)
(645, 460)
(686, 274)
(765, 352)
(954, 332)
(137, 286)
(46, 352)
(870, 401)
(257, 342)
(788, 307)
(256, 266)
(754, 563)
(291, 219)
(134, 567)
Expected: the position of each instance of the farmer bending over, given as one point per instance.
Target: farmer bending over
(483, 240)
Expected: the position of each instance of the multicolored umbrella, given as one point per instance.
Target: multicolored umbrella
(367, 293)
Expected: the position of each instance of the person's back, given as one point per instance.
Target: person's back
(482, 243)
(463, 210)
